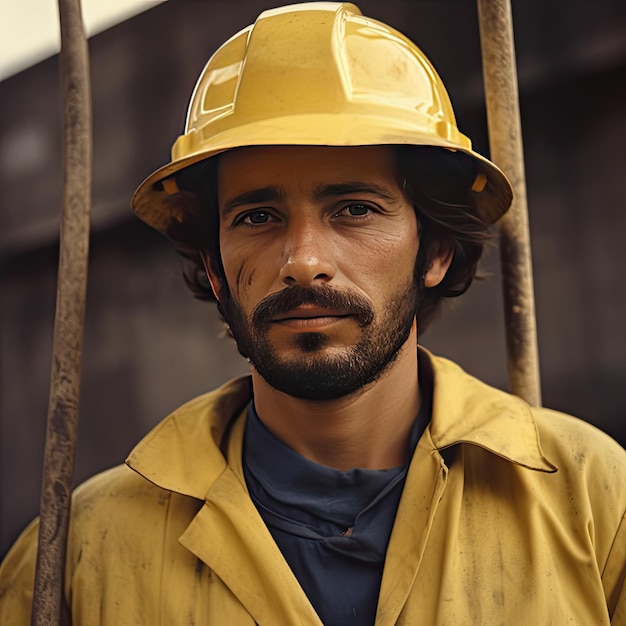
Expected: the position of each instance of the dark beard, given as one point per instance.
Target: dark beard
(314, 376)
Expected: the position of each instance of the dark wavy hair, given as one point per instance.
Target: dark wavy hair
(438, 182)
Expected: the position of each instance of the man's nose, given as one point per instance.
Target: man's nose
(308, 257)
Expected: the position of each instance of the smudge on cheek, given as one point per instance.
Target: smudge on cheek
(244, 279)
(251, 277)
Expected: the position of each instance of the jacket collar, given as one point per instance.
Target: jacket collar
(185, 453)
(466, 410)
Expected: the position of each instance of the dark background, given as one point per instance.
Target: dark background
(149, 346)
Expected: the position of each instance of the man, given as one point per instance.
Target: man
(328, 201)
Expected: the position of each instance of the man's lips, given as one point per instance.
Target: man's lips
(309, 316)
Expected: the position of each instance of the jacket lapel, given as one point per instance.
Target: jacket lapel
(229, 535)
(424, 487)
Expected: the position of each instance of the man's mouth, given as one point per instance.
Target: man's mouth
(307, 307)
(309, 316)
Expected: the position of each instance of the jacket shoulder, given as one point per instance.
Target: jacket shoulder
(92, 505)
(120, 505)
(573, 443)
(114, 513)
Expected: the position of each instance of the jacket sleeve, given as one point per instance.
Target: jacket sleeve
(614, 577)
(17, 578)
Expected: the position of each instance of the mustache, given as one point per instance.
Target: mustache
(321, 296)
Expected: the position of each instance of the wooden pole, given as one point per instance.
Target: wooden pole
(62, 423)
(505, 140)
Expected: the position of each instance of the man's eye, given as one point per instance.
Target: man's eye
(356, 210)
(255, 217)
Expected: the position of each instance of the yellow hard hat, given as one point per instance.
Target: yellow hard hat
(319, 74)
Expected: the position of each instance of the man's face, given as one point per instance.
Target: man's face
(318, 246)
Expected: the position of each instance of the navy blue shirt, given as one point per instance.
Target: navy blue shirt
(332, 527)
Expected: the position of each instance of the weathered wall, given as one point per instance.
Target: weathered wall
(149, 346)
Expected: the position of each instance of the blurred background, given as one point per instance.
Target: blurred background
(149, 346)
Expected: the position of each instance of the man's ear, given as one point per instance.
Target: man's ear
(437, 269)
(214, 278)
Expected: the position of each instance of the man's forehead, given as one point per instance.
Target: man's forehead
(316, 168)
(273, 173)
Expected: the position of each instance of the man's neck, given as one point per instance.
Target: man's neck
(369, 429)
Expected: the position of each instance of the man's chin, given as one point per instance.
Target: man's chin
(303, 349)
(322, 374)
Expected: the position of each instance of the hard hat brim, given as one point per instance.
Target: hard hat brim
(157, 205)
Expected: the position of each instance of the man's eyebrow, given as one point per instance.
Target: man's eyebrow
(254, 196)
(341, 189)
(321, 192)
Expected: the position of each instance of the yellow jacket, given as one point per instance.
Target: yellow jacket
(488, 532)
